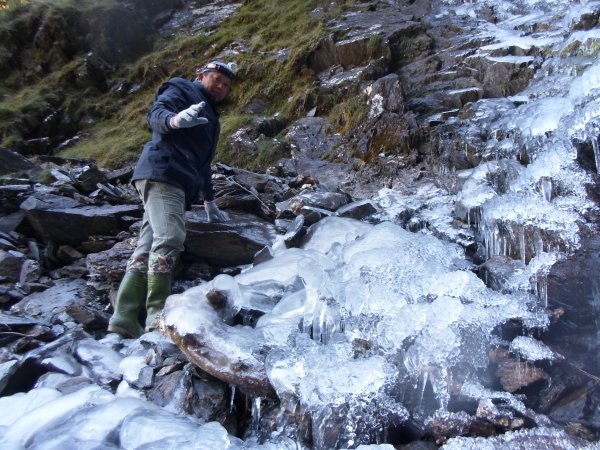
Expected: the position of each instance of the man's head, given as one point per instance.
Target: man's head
(217, 78)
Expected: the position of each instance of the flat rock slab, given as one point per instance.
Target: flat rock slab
(227, 244)
(63, 220)
(46, 306)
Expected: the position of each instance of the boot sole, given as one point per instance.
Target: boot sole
(122, 331)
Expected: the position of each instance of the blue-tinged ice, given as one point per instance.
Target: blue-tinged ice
(157, 430)
(23, 430)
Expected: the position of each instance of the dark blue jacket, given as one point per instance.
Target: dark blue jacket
(180, 157)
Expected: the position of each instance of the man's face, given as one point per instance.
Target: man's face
(216, 83)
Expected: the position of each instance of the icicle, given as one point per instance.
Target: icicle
(319, 322)
(489, 236)
(522, 242)
(256, 413)
(326, 321)
(546, 188)
(231, 397)
(424, 378)
(596, 153)
(538, 243)
(543, 289)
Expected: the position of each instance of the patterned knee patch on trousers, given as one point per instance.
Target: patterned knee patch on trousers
(138, 264)
(160, 264)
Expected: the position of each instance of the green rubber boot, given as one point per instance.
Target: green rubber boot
(159, 288)
(130, 300)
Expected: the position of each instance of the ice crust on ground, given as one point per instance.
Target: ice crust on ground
(540, 438)
(387, 287)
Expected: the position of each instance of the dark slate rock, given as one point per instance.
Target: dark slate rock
(181, 390)
(12, 195)
(503, 78)
(66, 221)
(100, 359)
(88, 178)
(329, 201)
(30, 271)
(108, 267)
(122, 175)
(295, 232)
(571, 407)
(51, 303)
(227, 244)
(497, 270)
(11, 162)
(223, 351)
(355, 45)
(357, 210)
(388, 92)
(90, 318)
(312, 136)
(11, 262)
(515, 375)
(14, 322)
(6, 244)
(7, 370)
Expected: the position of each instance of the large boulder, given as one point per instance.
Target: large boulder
(64, 220)
(227, 244)
(50, 305)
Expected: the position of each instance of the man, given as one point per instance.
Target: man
(172, 172)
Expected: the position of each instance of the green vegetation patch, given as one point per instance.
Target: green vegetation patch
(348, 115)
(271, 40)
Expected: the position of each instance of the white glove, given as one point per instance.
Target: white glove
(213, 213)
(189, 117)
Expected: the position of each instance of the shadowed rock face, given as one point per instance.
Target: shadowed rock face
(11, 162)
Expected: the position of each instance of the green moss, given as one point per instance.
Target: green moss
(230, 124)
(8, 6)
(45, 176)
(588, 48)
(374, 46)
(111, 144)
(348, 115)
(118, 139)
(268, 152)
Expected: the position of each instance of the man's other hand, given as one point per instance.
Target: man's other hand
(213, 213)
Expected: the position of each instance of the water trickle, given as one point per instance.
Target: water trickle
(232, 389)
(542, 290)
(546, 188)
(256, 414)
